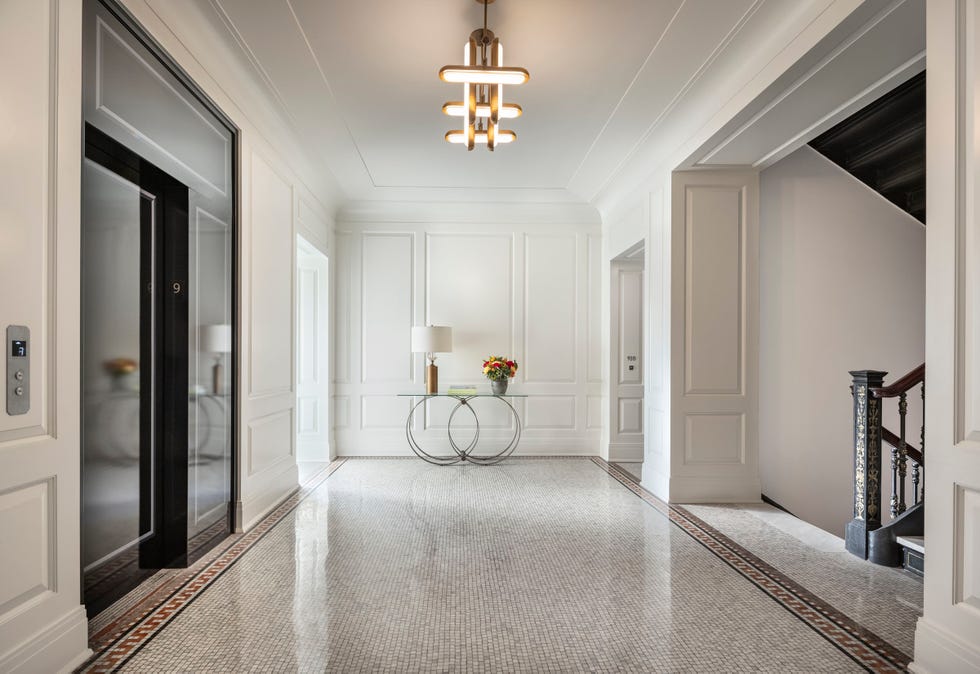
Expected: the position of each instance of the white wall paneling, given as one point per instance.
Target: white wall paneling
(506, 288)
(550, 310)
(387, 277)
(27, 512)
(946, 635)
(42, 625)
(470, 285)
(714, 340)
(271, 209)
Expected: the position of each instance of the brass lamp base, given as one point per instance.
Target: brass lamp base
(216, 379)
(431, 379)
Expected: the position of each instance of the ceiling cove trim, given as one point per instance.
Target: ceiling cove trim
(275, 93)
(366, 212)
(333, 97)
(622, 98)
(678, 97)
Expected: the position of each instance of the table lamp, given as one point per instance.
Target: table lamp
(430, 340)
(216, 339)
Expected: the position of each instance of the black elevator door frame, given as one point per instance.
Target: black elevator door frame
(163, 249)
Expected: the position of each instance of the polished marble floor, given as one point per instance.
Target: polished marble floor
(551, 565)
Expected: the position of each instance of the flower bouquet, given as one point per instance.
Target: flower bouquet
(499, 370)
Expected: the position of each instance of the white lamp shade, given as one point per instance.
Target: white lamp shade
(432, 339)
(216, 338)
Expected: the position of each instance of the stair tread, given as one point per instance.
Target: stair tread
(917, 543)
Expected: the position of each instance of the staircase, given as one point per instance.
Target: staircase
(884, 146)
(896, 539)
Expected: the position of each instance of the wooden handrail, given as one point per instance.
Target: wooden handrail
(916, 376)
(893, 440)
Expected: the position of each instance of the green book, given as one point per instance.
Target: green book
(461, 390)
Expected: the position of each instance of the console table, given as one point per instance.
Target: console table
(466, 453)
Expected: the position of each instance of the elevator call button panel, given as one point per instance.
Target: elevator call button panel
(18, 369)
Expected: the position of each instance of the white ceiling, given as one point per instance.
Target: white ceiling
(359, 82)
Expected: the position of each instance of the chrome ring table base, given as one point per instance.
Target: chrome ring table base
(462, 453)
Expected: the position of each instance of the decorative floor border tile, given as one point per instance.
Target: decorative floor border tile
(856, 641)
(115, 643)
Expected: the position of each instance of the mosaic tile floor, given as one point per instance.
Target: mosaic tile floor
(550, 565)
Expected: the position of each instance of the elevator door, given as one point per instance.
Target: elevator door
(134, 369)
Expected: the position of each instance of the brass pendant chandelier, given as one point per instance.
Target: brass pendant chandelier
(482, 75)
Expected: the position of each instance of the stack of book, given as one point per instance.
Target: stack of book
(461, 390)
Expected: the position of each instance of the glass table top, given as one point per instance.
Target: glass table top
(478, 394)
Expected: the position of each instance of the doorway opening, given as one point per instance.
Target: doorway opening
(627, 360)
(313, 447)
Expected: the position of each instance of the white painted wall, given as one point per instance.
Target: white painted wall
(842, 288)
(508, 284)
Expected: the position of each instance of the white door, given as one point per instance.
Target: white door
(626, 313)
(312, 377)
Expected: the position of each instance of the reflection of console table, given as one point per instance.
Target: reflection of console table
(467, 453)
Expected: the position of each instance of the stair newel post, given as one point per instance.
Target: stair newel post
(903, 409)
(867, 461)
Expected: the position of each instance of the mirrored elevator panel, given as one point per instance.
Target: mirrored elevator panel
(117, 442)
(158, 316)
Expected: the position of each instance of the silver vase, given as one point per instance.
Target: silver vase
(498, 387)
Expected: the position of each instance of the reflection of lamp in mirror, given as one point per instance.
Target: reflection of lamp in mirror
(430, 340)
(216, 339)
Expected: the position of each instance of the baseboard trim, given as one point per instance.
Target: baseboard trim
(60, 647)
(939, 651)
(626, 452)
(715, 490)
(250, 511)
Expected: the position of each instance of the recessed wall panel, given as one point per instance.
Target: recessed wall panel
(630, 326)
(308, 367)
(630, 420)
(26, 549)
(593, 414)
(469, 286)
(342, 309)
(384, 411)
(594, 309)
(270, 440)
(341, 411)
(967, 563)
(271, 283)
(386, 307)
(492, 413)
(714, 439)
(550, 413)
(713, 267)
(309, 415)
(549, 308)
